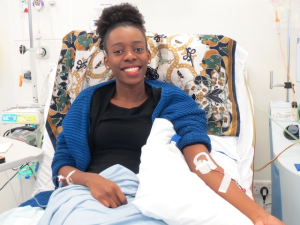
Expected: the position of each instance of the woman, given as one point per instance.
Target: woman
(109, 123)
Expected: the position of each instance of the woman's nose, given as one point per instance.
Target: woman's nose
(129, 56)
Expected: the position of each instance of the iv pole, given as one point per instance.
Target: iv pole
(288, 59)
(32, 57)
(33, 67)
(288, 50)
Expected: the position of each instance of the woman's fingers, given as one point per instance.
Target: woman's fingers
(104, 202)
(114, 197)
(107, 192)
(112, 203)
(121, 196)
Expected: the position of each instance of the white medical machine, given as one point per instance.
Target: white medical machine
(286, 168)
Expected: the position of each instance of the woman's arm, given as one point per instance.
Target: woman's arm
(234, 194)
(105, 191)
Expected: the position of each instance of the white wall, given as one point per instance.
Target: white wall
(249, 22)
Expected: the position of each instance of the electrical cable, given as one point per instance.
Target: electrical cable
(32, 172)
(277, 123)
(12, 177)
(29, 128)
(42, 206)
(254, 130)
(298, 141)
(276, 157)
(264, 193)
(254, 141)
(12, 188)
(33, 132)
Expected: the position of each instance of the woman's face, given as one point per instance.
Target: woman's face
(127, 55)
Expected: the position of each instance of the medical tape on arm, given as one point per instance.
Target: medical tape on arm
(68, 178)
(206, 166)
(225, 183)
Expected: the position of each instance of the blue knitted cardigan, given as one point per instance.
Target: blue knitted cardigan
(72, 147)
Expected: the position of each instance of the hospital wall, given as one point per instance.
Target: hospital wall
(250, 23)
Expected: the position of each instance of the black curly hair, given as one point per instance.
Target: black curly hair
(116, 16)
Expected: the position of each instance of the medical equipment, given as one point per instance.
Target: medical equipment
(285, 175)
(289, 84)
(24, 115)
(205, 165)
(225, 183)
(31, 113)
(68, 178)
(23, 135)
(38, 4)
(280, 4)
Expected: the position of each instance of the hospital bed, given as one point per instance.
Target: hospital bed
(210, 68)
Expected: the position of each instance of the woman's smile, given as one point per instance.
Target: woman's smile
(132, 71)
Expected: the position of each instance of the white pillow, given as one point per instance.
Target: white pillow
(169, 191)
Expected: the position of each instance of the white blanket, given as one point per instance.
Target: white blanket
(169, 191)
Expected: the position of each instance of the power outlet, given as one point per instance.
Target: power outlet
(258, 184)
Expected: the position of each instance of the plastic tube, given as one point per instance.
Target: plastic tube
(41, 189)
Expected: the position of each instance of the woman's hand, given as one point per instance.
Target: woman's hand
(268, 220)
(105, 191)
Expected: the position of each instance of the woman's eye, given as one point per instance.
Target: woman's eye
(139, 49)
(118, 52)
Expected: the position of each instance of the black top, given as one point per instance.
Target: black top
(120, 134)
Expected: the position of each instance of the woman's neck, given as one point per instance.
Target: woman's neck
(129, 96)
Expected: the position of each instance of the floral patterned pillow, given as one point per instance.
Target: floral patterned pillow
(202, 66)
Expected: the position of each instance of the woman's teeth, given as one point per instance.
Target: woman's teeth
(133, 69)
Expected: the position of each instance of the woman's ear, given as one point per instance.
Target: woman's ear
(106, 62)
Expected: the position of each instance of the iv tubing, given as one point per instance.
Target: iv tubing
(277, 123)
(254, 136)
(288, 73)
(298, 141)
(43, 206)
(254, 131)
